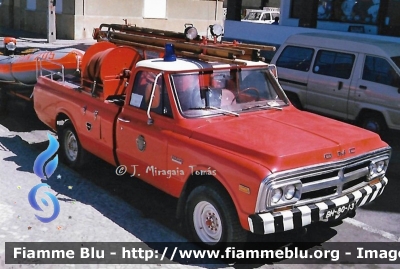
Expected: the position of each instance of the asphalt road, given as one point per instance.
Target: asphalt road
(99, 206)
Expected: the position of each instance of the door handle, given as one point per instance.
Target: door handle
(362, 87)
(123, 120)
(340, 85)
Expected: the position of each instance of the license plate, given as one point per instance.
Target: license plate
(340, 211)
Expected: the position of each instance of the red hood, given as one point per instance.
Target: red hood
(281, 140)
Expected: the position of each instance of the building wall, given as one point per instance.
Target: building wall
(13, 13)
(178, 13)
(79, 17)
(5, 12)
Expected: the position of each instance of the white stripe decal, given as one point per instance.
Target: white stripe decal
(341, 201)
(369, 191)
(322, 208)
(363, 201)
(268, 221)
(378, 186)
(250, 225)
(287, 220)
(383, 185)
(305, 215)
(383, 189)
(374, 195)
(357, 195)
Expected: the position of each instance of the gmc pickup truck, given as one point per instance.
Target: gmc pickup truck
(215, 131)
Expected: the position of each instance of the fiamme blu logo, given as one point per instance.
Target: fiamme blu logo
(44, 166)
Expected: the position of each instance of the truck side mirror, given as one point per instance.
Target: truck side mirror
(153, 101)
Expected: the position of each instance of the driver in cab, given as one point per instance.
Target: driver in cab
(192, 97)
(188, 90)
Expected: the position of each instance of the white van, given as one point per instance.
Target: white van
(266, 15)
(351, 78)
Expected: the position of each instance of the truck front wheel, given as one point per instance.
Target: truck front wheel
(72, 152)
(212, 219)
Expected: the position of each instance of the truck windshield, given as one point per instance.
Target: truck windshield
(230, 91)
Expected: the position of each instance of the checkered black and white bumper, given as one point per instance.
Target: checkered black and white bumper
(274, 222)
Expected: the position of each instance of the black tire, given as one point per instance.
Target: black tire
(373, 122)
(294, 99)
(210, 206)
(71, 151)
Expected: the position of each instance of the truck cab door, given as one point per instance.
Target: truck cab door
(329, 83)
(141, 146)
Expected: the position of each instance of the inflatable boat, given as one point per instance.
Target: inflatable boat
(18, 73)
(23, 69)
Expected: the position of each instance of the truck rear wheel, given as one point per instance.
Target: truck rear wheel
(212, 219)
(72, 152)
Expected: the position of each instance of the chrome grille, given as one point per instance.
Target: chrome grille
(334, 182)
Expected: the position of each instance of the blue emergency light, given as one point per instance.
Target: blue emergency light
(169, 55)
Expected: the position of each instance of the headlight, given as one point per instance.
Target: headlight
(380, 166)
(377, 168)
(283, 193)
(290, 191)
(276, 195)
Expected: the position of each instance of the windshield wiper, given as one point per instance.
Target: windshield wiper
(267, 106)
(224, 111)
(215, 108)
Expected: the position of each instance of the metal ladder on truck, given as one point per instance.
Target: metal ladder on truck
(187, 44)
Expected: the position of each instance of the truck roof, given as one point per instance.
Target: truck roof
(182, 64)
(350, 43)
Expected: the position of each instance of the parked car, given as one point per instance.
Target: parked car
(267, 15)
(346, 77)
